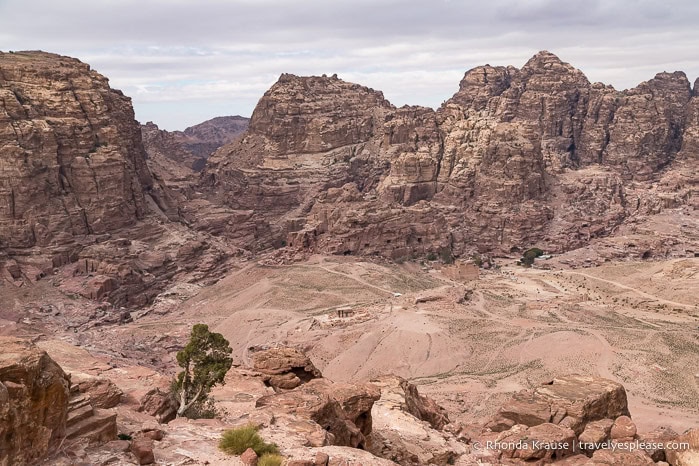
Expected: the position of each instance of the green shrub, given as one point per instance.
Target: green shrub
(270, 459)
(529, 256)
(236, 441)
(124, 437)
(431, 256)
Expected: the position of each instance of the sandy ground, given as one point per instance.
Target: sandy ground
(634, 322)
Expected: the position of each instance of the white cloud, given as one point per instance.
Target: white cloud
(184, 61)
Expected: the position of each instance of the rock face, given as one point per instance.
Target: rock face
(77, 199)
(574, 420)
(34, 394)
(517, 157)
(72, 160)
(342, 411)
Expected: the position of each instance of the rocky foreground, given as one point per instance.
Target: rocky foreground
(572, 420)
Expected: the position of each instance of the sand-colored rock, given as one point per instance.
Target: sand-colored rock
(685, 456)
(403, 429)
(570, 401)
(283, 368)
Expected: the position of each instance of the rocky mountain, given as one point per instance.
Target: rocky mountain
(77, 197)
(72, 158)
(192, 146)
(517, 157)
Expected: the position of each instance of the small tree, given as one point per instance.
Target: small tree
(205, 360)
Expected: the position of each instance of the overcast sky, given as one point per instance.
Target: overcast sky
(185, 61)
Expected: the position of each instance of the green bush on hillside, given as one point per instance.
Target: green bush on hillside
(529, 255)
(270, 459)
(236, 441)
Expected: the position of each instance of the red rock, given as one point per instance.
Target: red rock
(249, 457)
(142, 449)
(660, 437)
(159, 404)
(621, 458)
(688, 455)
(572, 401)
(284, 368)
(623, 428)
(321, 459)
(33, 402)
(596, 432)
(103, 392)
(342, 410)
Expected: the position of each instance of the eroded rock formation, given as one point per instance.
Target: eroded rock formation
(72, 157)
(537, 155)
(34, 394)
(76, 196)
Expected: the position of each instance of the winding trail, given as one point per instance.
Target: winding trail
(629, 288)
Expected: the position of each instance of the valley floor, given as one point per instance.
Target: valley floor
(468, 343)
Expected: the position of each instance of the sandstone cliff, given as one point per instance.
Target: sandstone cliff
(517, 157)
(77, 198)
(72, 159)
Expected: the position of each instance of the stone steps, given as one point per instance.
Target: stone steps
(86, 422)
(77, 402)
(100, 427)
(76, 415)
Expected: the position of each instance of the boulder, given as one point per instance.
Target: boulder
(34, 393)
(572, 401)
(596, 433)
(103, 392)
(623, 428)
(284, 368)
(688, 454)
(249, 457)
(542, 442)
(342, 410)
(142, 449)
(656, 440)
(621, 458)
(159, 404)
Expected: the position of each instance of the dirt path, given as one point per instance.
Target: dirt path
(629, 288)
(353, 277)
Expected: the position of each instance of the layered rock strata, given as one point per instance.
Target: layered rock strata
(77, 198)
(34, 394)
(517, 157)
